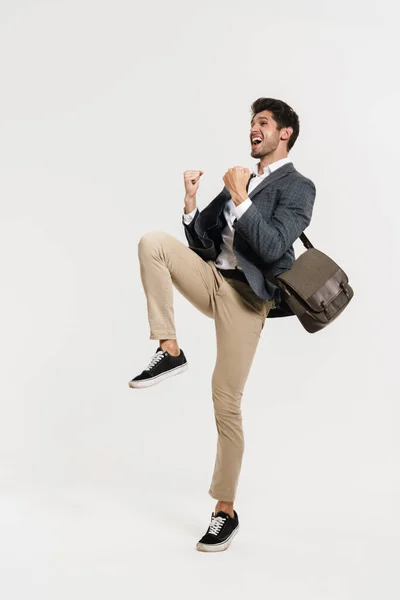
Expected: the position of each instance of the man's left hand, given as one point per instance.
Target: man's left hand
(236, 180)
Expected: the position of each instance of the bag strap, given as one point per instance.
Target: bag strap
(306, 241)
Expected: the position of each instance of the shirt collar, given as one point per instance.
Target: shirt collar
(270, 168)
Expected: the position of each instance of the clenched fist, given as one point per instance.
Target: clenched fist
(236, 180)
(192, 181)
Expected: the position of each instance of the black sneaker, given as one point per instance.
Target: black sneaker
(161, 366)
(220, 533)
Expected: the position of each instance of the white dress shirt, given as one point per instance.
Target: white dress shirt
(226, 259)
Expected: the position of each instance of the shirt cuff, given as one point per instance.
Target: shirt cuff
(241, 208)
(188, 218)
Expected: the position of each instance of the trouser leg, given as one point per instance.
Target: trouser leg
(238, 323)
(165, 262)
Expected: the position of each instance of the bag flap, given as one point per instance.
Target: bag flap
(314, 277)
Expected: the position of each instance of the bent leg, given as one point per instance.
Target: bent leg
(166, 262)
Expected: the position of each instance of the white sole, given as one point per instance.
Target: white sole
(217, 547)
(149, 382)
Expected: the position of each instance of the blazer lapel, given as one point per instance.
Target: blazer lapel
(272, 178)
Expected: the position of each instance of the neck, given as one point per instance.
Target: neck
(268, 159)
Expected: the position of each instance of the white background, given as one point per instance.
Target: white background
(104, 489)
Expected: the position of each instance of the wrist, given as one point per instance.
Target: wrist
(190, 204)
(238, 198)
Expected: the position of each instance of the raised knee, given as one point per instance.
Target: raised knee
(150, 237)
(150, 240)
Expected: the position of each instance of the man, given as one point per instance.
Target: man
(236, 245)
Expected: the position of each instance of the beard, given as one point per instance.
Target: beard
(266, 147)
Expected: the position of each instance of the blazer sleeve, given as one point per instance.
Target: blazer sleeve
(190, 233)
(270, 239)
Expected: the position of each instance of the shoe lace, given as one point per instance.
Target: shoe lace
(216, 524)
(156, 359)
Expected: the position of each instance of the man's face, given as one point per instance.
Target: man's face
(263, 126)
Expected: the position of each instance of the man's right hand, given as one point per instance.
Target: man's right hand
(192, 181)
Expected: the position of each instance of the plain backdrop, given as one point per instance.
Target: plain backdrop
(104, 489)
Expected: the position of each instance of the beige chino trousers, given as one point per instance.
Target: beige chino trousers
(239, 316)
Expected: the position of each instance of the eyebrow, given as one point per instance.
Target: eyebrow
(261, 118)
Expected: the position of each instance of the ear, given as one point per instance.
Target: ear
(286, 132)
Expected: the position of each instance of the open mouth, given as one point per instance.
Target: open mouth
(256, 142)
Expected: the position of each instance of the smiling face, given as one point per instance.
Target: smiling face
(268, 138)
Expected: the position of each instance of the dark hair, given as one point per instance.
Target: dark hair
(282, 113)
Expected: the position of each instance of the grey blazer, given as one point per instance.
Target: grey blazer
(281, 209)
